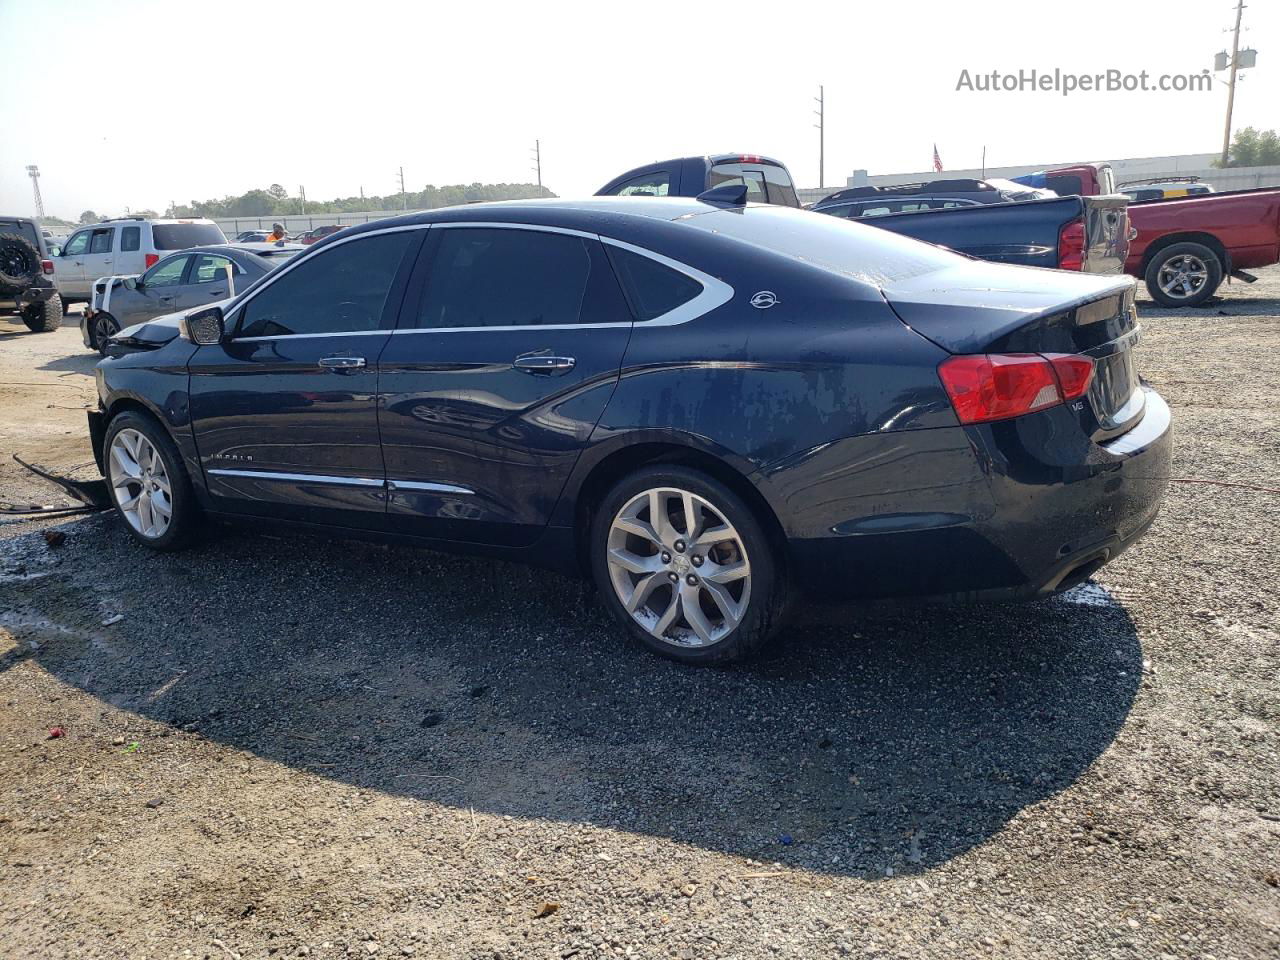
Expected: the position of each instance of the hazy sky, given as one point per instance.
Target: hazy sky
(136, 103)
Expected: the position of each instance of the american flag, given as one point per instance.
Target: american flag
(937, 160)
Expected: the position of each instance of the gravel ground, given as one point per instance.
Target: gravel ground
(290, 747)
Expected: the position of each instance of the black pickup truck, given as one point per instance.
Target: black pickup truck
(1070, 233)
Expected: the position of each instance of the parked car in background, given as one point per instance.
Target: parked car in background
(1140, 191)
(123, 246)
(1090, 234)
(319, 233)
(1081, 180)
(191, 278)
(53, 241)
(252, 236)
(27, 282)
(938, 193)
(766, 180)
(708, 408)
(1184, 247)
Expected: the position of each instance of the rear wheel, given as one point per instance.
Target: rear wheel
(685, 566)
(1183, 275)
(19, 264)
(148, 482)
(104, 327)
(43, 317)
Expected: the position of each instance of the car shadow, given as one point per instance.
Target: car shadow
(878, 739)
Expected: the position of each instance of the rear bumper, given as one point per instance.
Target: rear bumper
(1037, 509)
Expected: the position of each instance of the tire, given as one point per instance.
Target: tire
(651, 559)
(144, 521)
(1183, 275)
(101, 328)
(43, 317)
(19, 264)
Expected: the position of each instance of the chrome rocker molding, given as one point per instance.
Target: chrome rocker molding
(390, 485)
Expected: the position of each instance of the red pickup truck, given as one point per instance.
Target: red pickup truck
(1183, 247)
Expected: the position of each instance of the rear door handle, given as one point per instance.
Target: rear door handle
(341, 363)
(546, 366)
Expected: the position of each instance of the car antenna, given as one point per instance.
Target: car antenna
(725, 195)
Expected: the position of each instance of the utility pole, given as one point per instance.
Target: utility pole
(1231, 86)
(537, 163)
(821, 101)
(34, 173)
(302, 196)
(404, 201)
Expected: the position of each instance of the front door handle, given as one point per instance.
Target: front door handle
(341, 363)
(545, 366)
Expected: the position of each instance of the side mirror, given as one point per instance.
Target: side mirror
(55, 251)
(132, 283)
(204, 327)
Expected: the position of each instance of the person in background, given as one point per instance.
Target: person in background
(277, 234)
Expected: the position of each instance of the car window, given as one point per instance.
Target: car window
(723, 173)
(481, 277)
(343, 289)
(209, 268)
(77, 244)
(101, 240)
(781, 190)
(130, 238)
(166, 273)
(179, 236)
(656, 184)
(653, 288)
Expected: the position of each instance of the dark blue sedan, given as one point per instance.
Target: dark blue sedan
(710, 408)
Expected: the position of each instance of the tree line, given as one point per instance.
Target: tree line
(1253, 148)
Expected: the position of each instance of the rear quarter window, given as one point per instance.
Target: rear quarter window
(653, 288)
(180, 236)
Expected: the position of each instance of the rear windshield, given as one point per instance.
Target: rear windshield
(766, 182)
(23, 228)
(179, 236)
(858, 250)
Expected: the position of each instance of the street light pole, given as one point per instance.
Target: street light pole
(537, 163)
(821, 124)
(1231, 85)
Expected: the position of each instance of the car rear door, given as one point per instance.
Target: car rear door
(284, 411)
(206, 282)
(507, 351)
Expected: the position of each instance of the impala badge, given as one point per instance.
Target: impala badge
(765, 299)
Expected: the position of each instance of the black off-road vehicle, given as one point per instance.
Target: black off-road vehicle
(26, 275)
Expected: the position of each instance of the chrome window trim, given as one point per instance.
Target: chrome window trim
(296, 477)
(715, 292)
(424, 487)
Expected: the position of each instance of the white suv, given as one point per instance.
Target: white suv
(124, 246)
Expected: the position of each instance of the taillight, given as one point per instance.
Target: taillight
(1071, 246)
(996, 386)
(152, 259)
(47, 267)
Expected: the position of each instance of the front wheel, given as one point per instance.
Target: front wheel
(1183, 275)
(148, 482)
(683, 563)
(104, 327)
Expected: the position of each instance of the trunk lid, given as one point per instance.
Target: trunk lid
(981, 307)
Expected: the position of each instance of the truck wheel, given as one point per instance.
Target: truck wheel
(1183, 275)
(103, 327)
(19, 264)
(43, 317)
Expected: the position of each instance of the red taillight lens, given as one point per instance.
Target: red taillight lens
(1071, 246)
(152, 260)
(997, 386)
(1075, 373)
(47, 267)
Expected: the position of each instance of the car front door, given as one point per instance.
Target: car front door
(284, 411)
(207, 281)
(155, 294)
(68, 271)
(99, 259)
(507, 351)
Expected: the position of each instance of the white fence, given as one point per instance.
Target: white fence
(297, 223)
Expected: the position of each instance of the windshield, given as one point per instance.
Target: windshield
(179, 236)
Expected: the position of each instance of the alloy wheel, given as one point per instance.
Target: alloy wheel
(678, 567)
(141, 484)
(104, 327)
(1181, 277)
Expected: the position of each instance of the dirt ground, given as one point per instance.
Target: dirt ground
(277, 747)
